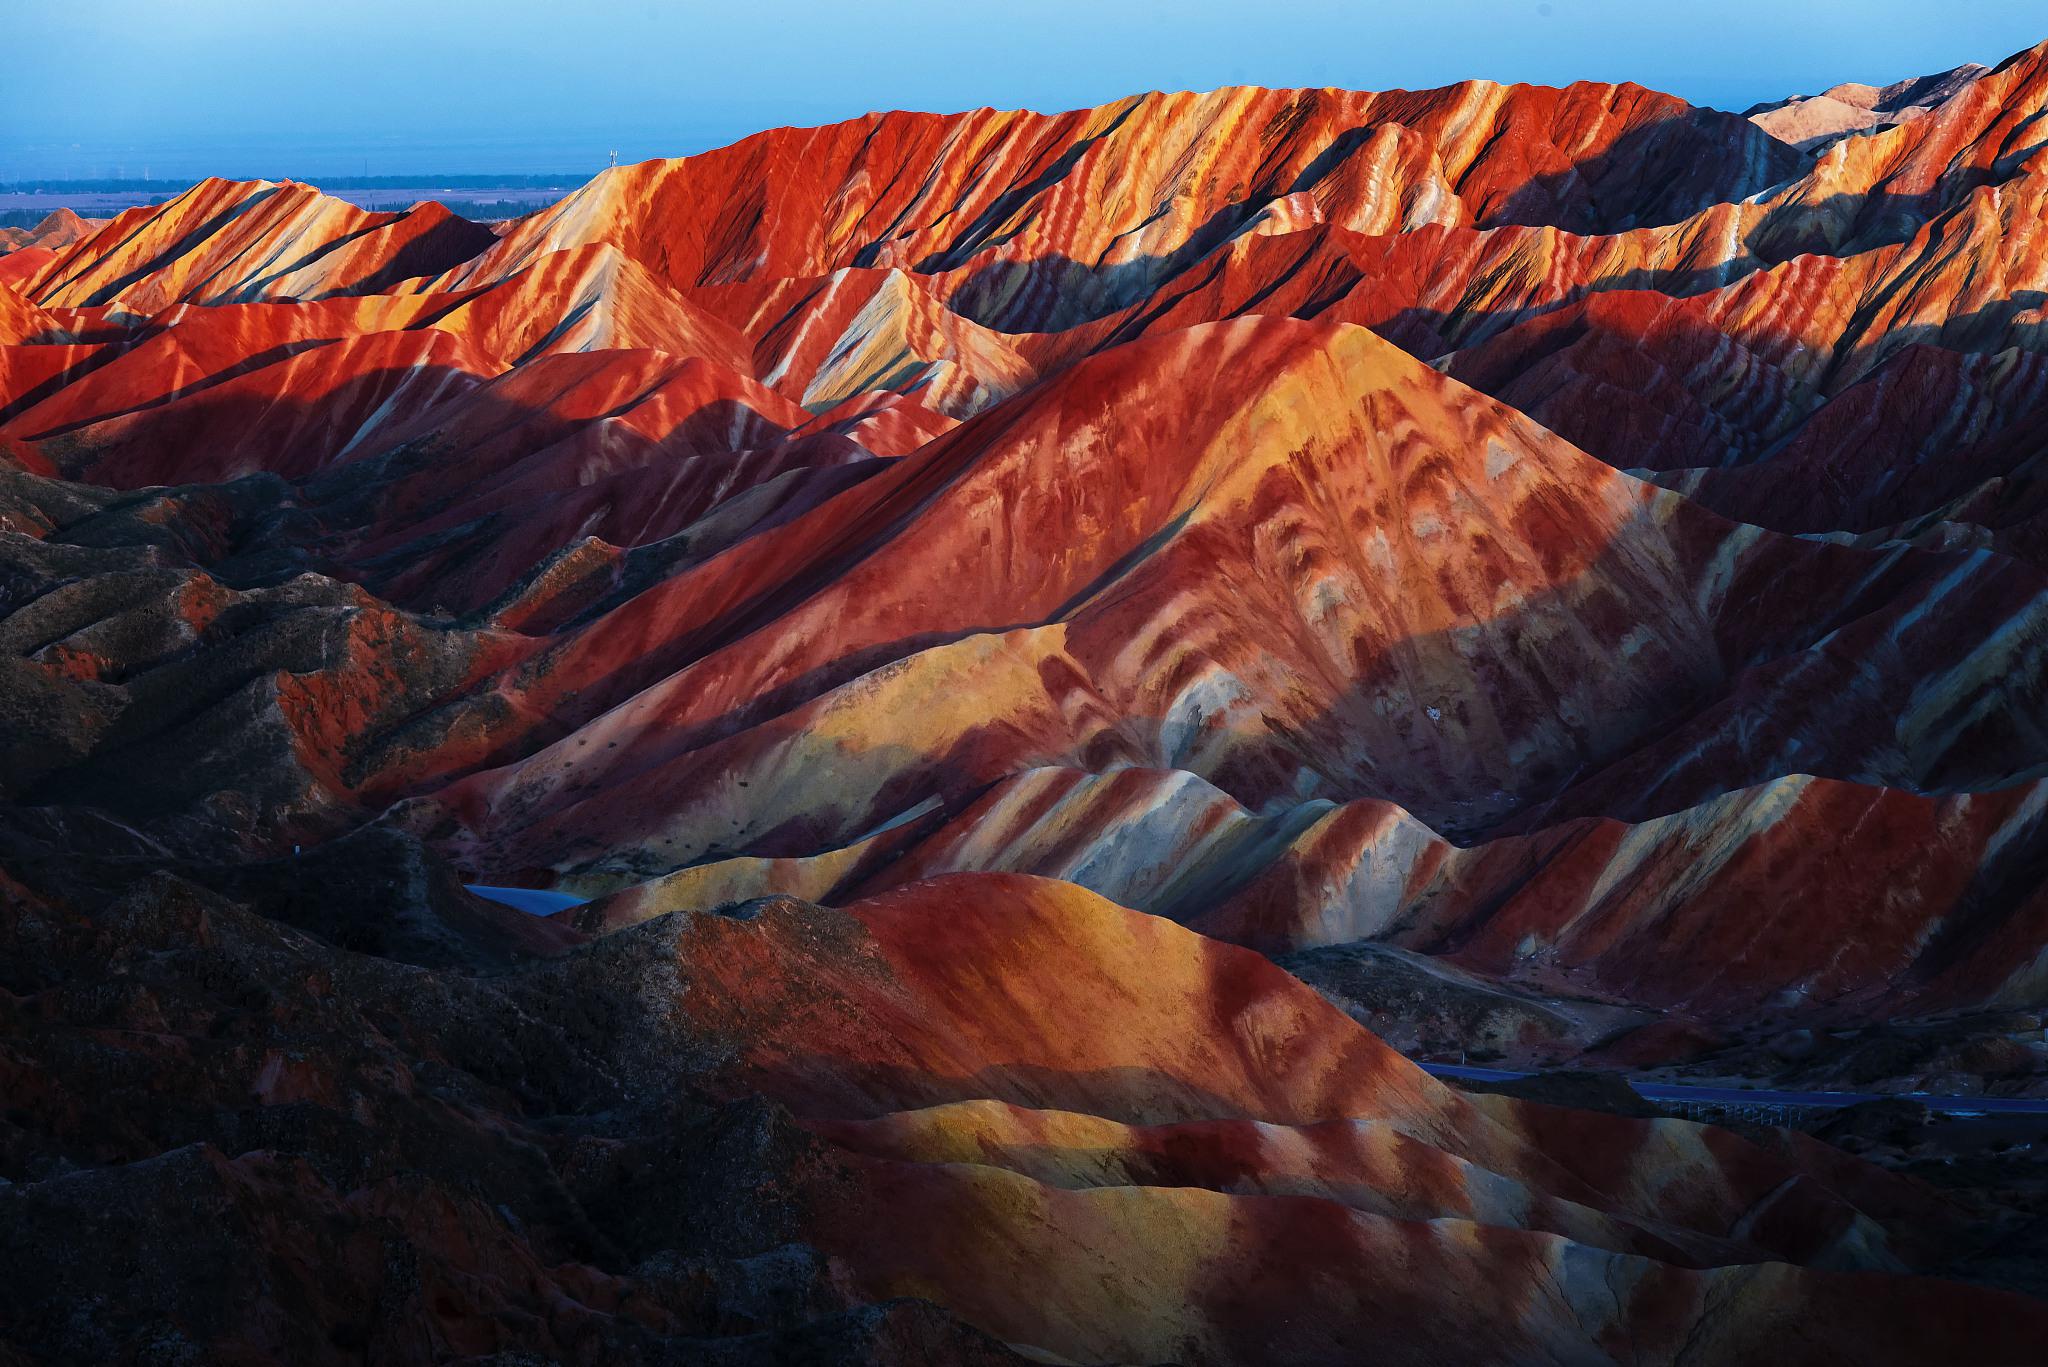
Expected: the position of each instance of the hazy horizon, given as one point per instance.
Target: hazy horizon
(134, 88)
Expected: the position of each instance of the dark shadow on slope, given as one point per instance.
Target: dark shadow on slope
(169, 254)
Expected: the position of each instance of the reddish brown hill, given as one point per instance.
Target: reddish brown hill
(57, 230)
(1135, 188)
(1812, 121)
(1276, 556)
(1562, 571)
(223, 241)
(1160, 1146)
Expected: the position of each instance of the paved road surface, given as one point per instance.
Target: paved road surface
(1762, 1096)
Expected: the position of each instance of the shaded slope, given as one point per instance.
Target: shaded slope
(819, 496)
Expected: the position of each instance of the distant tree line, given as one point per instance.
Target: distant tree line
(483, 210)
(30, 218)
(164, 187)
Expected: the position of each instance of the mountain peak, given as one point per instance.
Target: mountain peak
(1071, 654)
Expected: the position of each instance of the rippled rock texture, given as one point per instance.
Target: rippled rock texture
(976, 603)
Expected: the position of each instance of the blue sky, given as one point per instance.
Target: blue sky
(304, 88)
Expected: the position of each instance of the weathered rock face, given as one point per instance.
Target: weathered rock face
(1813, 121)
(226, 1141)
(783, 1132)
(1562, 571)
(58, 229)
